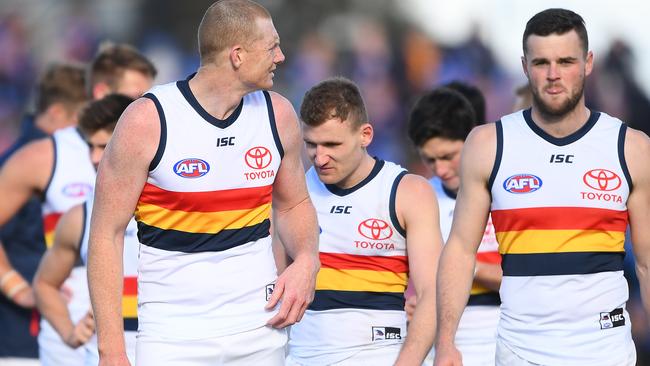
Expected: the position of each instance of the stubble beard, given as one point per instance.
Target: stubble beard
(551, 113)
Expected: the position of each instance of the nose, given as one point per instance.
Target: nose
(320, 157)
(279, 56)
(96, 155)
(440, 168)
(553, 72)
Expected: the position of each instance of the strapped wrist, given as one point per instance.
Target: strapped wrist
(12, 283)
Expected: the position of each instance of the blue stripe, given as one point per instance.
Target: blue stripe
(566, 140)
(274, 127)
(487, 299)
(130, 324)
(391, 204)
(180, 241)
(497, 159)
(621, 155)
(49, 180)
(163, 132)
(550, 264)
(331, 299)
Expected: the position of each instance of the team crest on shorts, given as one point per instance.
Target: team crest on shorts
(269, 290)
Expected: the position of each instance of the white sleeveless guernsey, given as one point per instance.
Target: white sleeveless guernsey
(206, 265)
(129, 291)
(72, 182)
(479, 321)
(559, 211)
(359, 299)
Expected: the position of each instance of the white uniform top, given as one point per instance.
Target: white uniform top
(559, 211)
(72, 182)
(129, 291)
(359, 299)
(480, 318)
(206, 265)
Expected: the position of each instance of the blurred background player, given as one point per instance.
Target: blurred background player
(61, 172)
(438, 126)
(96, 123)
(60, 94)
(376, 232)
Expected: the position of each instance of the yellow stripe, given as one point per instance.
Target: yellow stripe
(560, 241)
(360, 280)
(478, 289)
(130, 306)
(49, 239)
(201, 222)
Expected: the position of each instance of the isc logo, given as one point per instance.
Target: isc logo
(191, 168)
(522, 183)
(340, 210)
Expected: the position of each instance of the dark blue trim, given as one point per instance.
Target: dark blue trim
(550, 264)
(274, 127)
(162, 142)
(334, 189)
(486, 299)
(621, 155)
(83, 228)
(130, 324)
(331, 299)
(497, 159)
(391, 204)
(49, 180)
(184, 87)
(562, 141)
(180, 241)
(448, 192)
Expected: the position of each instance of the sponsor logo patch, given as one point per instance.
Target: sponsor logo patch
(613, 319)
(384, 333)
(522, 183)
(269, 290)
(375, 229)
(191, 168)
(258, 157)
(602, 180)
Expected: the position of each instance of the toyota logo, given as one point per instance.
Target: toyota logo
(258, 157)
(602, 180)
(375, 229)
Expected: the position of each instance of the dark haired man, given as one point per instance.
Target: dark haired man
(562, 183)
(438, 126)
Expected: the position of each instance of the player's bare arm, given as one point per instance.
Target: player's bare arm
(417, 212)
(457, 261)
(294, 221)
(488, 275)
(637, 150)
(55, 267)
(120, 179)
(17, 186)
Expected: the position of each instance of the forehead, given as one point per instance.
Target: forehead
(266, 30)
(100, 137)
(133, 83)
(331, 130)
(554, 46)
(440, 146)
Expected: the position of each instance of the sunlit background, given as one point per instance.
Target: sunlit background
(394, 49)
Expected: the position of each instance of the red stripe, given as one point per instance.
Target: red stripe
(397, 264)
(212, 201)
(50, 220)
(35, 323)
(559, 218)
(130, 286)
(489, 257)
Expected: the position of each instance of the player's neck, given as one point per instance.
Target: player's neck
(564, 125)
(216, 92)
(359, 174)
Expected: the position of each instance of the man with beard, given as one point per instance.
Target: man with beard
(562, 183)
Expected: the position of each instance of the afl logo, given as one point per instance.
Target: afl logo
(258, 157)
(77, 190)
(602, 180)
(375, 229)
(191, 168)
(522, 183)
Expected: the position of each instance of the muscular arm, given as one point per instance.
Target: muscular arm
(637, 150)
(488, 275)
(121, 176)
(459, 254)
(55, 267)
(417, 209)
(25, 174)
(294, 223)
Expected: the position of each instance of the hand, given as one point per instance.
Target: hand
(447, 356)
(295, 287)
(25, 298)
(82, 331)
(409, 307)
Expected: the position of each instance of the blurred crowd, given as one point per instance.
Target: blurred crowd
(391, 59)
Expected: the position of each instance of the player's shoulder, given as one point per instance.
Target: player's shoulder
(35, 153)
(415, 187)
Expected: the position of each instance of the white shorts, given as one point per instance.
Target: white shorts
(384, 356)
(506, 357)
(19, 361)
(261, 346)
(92, 354)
